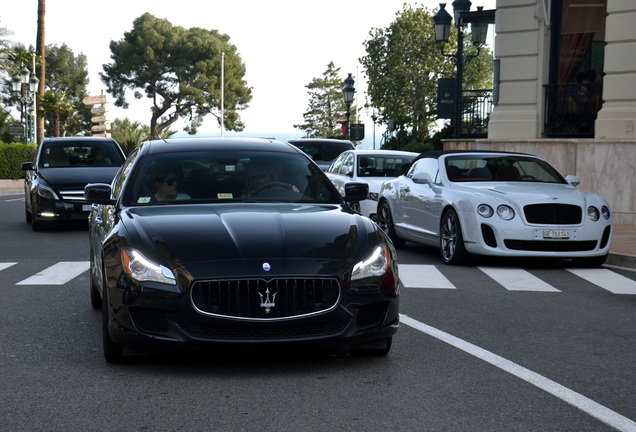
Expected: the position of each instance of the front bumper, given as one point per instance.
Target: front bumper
(151, 317)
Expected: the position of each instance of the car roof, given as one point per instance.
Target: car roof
(180, 145)
(369, 152)
(436, 154)
(319, 140)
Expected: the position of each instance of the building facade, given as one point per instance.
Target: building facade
(567, 92)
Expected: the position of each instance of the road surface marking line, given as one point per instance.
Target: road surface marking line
(517, 279)
(6, 265)
(607, 279)
(57, 274)
(423, 276)
(575, 399)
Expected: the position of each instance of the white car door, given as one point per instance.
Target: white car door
(420, 205)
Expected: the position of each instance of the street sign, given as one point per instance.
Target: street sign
(99, 119)
(104, 134)
(101, 127)
(92, 100)
(357, 132)
(446, 98)
(16, 129)
(99, 109)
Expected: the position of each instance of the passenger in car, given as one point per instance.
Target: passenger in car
(163, 180)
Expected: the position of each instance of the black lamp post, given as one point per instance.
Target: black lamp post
(347, 92)
(442, 21)
(19, 82)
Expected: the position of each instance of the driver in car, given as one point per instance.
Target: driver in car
(262, 173)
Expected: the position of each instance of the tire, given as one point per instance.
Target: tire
(451, 240)
(385, 221)
(113, 352)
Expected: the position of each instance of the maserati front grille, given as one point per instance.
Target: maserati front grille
(265, 299)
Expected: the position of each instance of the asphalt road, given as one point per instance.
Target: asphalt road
(505, 346)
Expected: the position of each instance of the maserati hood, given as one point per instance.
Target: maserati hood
(289, 237)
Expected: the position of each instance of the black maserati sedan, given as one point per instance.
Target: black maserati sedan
(54, 182)
(226, 242)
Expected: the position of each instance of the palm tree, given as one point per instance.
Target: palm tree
(57, 103)
(41, 51)
(5, 49)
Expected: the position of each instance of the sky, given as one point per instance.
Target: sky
(284, 44)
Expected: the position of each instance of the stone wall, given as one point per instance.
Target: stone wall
(605, 167)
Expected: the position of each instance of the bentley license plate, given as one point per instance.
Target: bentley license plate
(556, 234)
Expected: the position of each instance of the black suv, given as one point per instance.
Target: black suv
(322, 150)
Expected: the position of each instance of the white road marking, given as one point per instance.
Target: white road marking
(517, 279)
(423, 276)
(607, 279)
(57, 274)
(6, 265)
(575, 399)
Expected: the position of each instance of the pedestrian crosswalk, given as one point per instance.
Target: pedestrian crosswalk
(413, 276)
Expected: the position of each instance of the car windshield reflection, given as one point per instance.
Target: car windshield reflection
(228, 177)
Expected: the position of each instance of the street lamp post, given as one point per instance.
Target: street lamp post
(347, 92)
(19, 82)
(479, 21)
(373, 116)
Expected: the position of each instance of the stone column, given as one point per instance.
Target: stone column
(520, 46)
(617, 118)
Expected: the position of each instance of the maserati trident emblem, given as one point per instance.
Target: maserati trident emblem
(268, 303)
(266, 266)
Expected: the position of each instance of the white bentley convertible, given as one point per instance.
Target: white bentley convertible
(495, 203)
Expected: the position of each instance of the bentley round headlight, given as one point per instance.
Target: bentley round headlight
(593, 213)
(485, 210)
(605, 211)
(505, 212)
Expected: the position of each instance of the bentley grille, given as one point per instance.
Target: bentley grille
(265, 299)
(553, 214)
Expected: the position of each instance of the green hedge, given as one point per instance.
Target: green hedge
(12, 155)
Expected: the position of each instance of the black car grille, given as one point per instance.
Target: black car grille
(371, 315)
(265, 299)
(553, 214)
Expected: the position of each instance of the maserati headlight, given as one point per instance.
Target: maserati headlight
(376, 265)
(143, 270)
(46, 192)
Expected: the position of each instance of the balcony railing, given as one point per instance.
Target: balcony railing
(476, 109)
(571, 109)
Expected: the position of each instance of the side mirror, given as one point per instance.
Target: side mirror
(424, 178)
(355, 191)
(573, 180)
(98, 193)
(27, 166)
